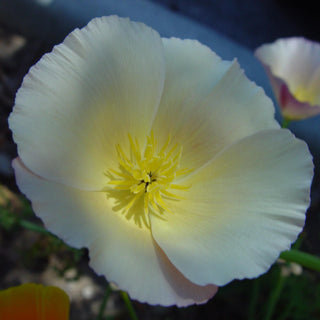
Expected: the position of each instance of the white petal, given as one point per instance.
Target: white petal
(242, 210)
(207, 103)
(124, 253)
(103, 82)
(294, 60)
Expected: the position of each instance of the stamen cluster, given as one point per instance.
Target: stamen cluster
(150, 174)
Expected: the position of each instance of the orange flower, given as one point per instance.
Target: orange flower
(34, 302)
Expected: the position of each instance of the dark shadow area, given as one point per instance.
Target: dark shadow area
(251, 22)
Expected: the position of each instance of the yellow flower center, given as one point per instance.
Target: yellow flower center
(306, 95)
(146, 180)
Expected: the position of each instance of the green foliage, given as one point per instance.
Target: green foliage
(16, 213)
(7, 220)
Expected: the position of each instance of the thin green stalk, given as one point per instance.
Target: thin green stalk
(34, 227)
(104, 302)
(298, 242)
(129, 305)
(274, 297)
(285, 123)
(304, 259)
(254, 300)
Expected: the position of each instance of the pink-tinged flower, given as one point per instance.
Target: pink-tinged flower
(162, 159)
(293, 68)
(34, 302)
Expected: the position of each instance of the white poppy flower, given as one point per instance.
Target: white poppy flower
(162, 159)
(293, 68)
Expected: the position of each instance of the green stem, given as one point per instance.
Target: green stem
(285, 123)
(129, 306)
(305, 259)
(274, 297)
(254, 299)
(298, 242)
(104, 302)
(34, 227)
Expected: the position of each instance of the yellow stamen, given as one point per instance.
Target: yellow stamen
(150, 174)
